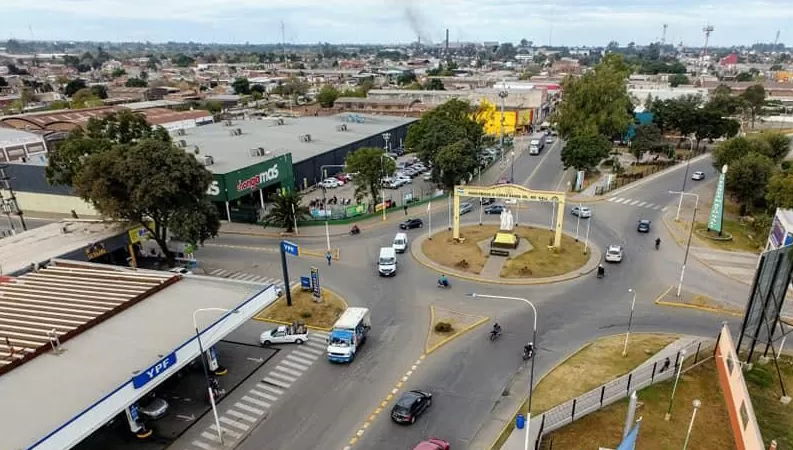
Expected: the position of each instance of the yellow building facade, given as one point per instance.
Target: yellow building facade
(515, 121)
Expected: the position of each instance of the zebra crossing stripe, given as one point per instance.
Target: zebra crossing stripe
(234, 423)
(316, 351)
(225, 430)
(304, 354)
(295, 365)
(210, 436)
(218, 272)
(641, 204)
(289, 371)
(316, 344)
(250, 409)
(656, 207)
(282, 376)
(634, 202)
(263, 395)
(278, 383)
(256, 402)
(613, 199)
(242, 416)
(270, 389)
(203, 445)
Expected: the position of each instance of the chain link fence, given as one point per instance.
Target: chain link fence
(647, 374)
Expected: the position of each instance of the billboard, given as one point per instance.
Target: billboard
(241, 182)
(743, 422)
(779, 235)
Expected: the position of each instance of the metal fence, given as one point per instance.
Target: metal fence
(648, 168)
(646, 375)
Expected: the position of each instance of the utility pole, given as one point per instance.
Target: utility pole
(11, 206)
(283, 45)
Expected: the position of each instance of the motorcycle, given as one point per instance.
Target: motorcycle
(494, 335)
(657, 244)
(443, 285)
(354, 231)
(601, 272)
(527, 353)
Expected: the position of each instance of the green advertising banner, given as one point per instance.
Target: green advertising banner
(217, 190)
(717, 210)
(235, 184)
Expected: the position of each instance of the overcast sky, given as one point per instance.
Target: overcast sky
(563, 22)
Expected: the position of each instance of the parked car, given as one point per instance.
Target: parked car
(614, 254)
(503, 181)
(466, 208)
(487, 201)
(410, 224)
(643, 226)
(404, 178)
(153, 407)
(511, 201)
(583, 212)
(698, 175)
(427, 176)
(494, 209)
(411, 405)
(343, 177)
(330, 183)
(433, 444)
(181, 271)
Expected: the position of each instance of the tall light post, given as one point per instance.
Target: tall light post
(685, 179)
(586, 239)
(630, 321)
(382, 191)
(534, 341)
(503, 94)
(674, 387)
(206, 370)
(387, 139)
(696, 403)
(324, 171)
(577, 221)
(688, 243)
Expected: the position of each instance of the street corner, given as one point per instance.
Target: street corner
(318, 316)
(674, 229)
(696, 301)
(446, 325)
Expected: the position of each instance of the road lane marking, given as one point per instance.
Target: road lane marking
(210, 436)
(250, 409)
(656, 207)
(634, 202)
(203, 445)
(263, 395)
(641, 204)
(294, 365)
(304, 354)
(289, 371)
(664, 209)
(240, 415)
(225, 430)
(300, 360)
(218, 272)
(316, 344)
(315, 351)
(234, 423)
(255, 402)
(282, 376)
(278, 383)
(270, 389)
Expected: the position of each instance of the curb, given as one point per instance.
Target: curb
(658, 301)
(310, 327)
(658, 174)
(428, 350)
(594, 258)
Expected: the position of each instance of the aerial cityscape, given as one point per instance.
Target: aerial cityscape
(466, 225)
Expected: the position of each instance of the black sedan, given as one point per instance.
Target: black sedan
(410, 224)
(411, 405)
(643, 226)
(494, 209)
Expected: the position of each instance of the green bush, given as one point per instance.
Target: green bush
(443, 327)
(305, 314)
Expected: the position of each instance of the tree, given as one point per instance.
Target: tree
(778, 144)
(3, 82)
(286, 209)
(406, 77)
(583, 151)
(241, 86)
(648, 138)
(118, 72)
(449, 123)
(597, 102)
(506, 51)
(73, 86)
(327, 96)
(722, 100)
(754, 98)
(370, 166)
(454, 163)
(99, 91)
(748, 177)
(730, 151)
(99, 134)
(85, 98)
(677, 79)
(779, 193)
(136, 82)
(155, 184)
(433, 84)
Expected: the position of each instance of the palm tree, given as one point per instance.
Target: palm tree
(286, 209)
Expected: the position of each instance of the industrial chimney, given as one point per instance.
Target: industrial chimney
(447, 41)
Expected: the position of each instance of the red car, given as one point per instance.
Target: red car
(433, 444)
(343, 177)
(503, 181)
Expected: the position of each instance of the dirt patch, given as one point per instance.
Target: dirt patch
(537, 263)
(599, 362)
(460, 323)
(304, 308)
(604, 428)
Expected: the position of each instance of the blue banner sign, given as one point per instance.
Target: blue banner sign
(315, 283)
(290, 248)
(141, 379)
(629, 443)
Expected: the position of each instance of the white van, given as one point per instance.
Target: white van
(386, 264)
(400, 242)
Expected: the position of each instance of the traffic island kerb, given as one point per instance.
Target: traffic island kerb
(461, 323)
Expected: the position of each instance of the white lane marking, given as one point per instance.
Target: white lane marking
(641, 204)
(255, 402)
(289, 371)
(320, 333)
(250, 409)
(218, 272)
(664, 209)
(304, 354)
(282, 376)
(656, 207)
(614, 199)
(315, 351)
(278, 383)
(210, 436)
(300, 360)
(270, 389)
(294, 365)
(203, 445)
(263, 395)
(634, 202)
(620, 200)
(240, 415)
(225, 430)
(234, 423)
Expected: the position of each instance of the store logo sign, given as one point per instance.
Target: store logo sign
(214, 189)
(259, 179)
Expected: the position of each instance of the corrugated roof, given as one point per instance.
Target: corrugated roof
(42, 308)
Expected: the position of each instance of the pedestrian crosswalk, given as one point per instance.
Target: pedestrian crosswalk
(242, 276)
(637, 203)
(236, 420)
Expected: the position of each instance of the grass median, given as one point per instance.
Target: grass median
(305, 309)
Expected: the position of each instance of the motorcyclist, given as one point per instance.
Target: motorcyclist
(657, 243)
(443, 281)
(528, 349)
(601, 270)
(355, 229)
(496, 329)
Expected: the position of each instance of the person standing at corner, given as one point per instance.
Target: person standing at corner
(406, 209)
(329, 256)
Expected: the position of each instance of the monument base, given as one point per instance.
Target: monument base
(503, 239)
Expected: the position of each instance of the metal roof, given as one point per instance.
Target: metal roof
(41, 309)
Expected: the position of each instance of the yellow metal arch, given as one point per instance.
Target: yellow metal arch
(511, 191)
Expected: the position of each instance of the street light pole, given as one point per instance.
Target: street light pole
(534, 341)
(630, 321)
(685, 179)
(382, 191)
(577, 221)
(688, 243)
(206, 371)
(674, 388)
(503, 94)
(586, 240)
(696, 403)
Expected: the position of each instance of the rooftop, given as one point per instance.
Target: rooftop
(12, 136)
(53, 240)
(232, 152)
(136, 106)
(50, 390)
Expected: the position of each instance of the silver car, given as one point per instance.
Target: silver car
(153, 407)
(614, 254)
(466, 208)
(584, 212)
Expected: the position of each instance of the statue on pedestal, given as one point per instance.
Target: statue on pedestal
(507, 222)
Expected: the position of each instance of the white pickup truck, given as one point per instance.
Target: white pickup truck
(297, 333)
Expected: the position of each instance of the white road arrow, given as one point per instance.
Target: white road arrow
(256, 360)
(189, 418)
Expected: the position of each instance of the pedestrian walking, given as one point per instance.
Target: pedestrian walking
(406, 209)
(667, 362)
(329, 256)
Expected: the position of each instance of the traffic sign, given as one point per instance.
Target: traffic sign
(290, 248)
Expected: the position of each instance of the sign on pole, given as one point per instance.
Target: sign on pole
(717, 210)
(290, 248)
(315, 283)
(629, 443)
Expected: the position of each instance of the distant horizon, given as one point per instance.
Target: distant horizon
(568, 23)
